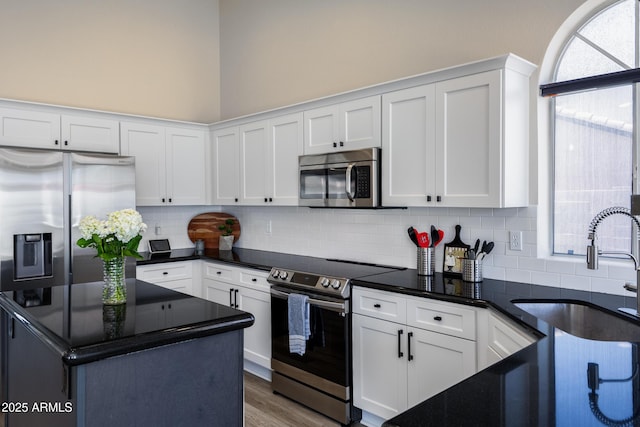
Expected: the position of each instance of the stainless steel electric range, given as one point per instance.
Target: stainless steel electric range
(321, 378)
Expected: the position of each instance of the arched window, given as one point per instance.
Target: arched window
(595, 142)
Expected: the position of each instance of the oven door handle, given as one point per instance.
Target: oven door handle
(329, 305)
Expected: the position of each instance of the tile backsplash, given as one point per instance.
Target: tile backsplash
(380, 236)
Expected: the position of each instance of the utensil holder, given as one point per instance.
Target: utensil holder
(426, 261)
(471, 270)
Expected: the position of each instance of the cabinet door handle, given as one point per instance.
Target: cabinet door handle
(335, 145)
(400, 353)
(438, 198)
(163, 200)
(341, 144)
(56, 142)
(376, 306)
(66, 143)
(235, 295)
(409, 355)
(438, 318)
(231, 297)
(428, 198)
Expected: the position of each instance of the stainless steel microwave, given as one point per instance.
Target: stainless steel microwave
(349, 179)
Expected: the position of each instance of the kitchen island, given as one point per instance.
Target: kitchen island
(162, 359)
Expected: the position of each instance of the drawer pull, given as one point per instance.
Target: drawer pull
(218, 272)
(400, 354)
(254, 280)
(377, 305)
(165, 273)
(438, 318)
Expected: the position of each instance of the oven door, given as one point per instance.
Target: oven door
(327, 350)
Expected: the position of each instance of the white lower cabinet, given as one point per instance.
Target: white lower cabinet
(499, 337)
(407, 349)
(246, 290)
(177, 276)
(397, 364)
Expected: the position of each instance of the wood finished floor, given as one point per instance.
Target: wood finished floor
(262, 408)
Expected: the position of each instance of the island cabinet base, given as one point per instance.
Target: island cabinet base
(195, 382)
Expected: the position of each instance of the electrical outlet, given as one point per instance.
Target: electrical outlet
(267, 229)
(158, 230)
(515, 240)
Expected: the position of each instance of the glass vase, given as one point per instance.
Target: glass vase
(114, 291)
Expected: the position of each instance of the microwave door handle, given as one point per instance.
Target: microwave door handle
(350, 195)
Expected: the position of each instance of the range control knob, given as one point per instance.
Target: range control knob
(325, 282)
(284, 275)
(275, 274)
(335, 284)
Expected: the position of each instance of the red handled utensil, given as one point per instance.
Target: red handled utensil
(423, 240)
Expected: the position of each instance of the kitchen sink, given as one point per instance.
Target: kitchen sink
(583, 319)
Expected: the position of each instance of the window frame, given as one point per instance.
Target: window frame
(549, 91)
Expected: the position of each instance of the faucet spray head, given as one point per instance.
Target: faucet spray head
(592, 253)
(592, 256)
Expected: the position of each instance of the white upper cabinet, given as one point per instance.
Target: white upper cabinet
(461, 142)
(254, 147)
(285, 145)
(90, 134)
(226, 166)
(257, 163)
(346, 126)
(170, 163)
(408, 147)
(35, 129)
(469, 141)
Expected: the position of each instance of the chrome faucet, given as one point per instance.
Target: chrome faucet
(593, 252)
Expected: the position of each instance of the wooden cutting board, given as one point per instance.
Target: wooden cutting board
(205, 226)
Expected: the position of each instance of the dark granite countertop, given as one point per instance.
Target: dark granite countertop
(75, 323)
(544, 384)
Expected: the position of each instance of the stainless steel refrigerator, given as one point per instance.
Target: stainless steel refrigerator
(43, 196)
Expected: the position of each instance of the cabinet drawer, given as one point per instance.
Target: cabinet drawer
(255, 279)
(164, 272)
(379, 304)
(451, 319)
(218, 272)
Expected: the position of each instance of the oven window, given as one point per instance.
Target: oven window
(326, 352)
(313, 184)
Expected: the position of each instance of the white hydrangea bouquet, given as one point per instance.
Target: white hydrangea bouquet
(117, 236)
